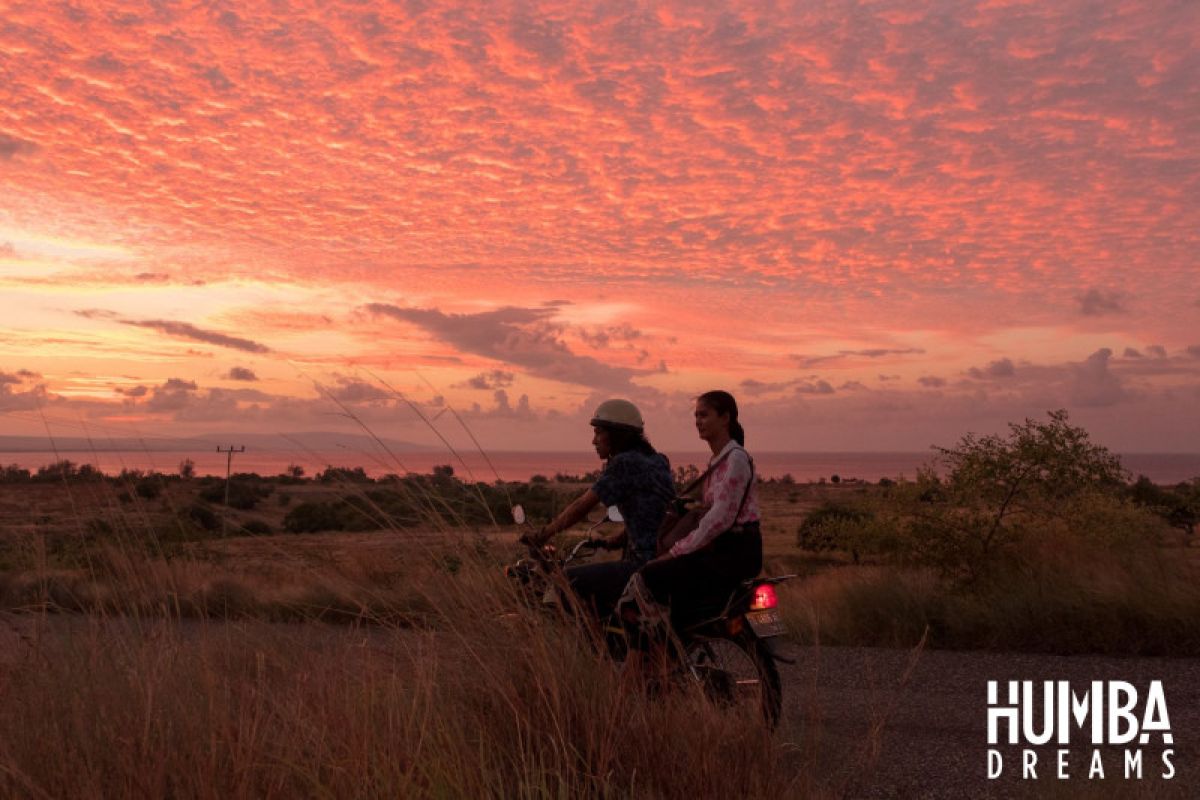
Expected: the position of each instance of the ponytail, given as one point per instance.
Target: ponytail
(737, 432)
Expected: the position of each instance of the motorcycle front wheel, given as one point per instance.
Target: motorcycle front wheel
(736, 671)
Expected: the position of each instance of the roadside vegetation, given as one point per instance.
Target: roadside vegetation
(353, 636)
(1032, 541)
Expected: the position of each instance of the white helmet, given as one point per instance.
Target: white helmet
(620, 413)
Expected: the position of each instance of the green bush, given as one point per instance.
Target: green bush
(832, 526)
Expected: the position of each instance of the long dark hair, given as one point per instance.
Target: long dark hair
(622, 438)
(723, 403)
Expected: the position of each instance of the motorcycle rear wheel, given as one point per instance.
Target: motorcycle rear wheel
(736, 670)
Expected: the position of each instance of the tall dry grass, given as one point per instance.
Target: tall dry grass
(478, 705)
(1067, 600)
(156, 672)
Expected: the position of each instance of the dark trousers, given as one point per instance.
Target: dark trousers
(703, 581)
(599, 585)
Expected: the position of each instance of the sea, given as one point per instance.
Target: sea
(1162, 468)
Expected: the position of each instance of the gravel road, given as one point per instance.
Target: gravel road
(887, 723)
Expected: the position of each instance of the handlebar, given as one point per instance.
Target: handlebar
(546, 560)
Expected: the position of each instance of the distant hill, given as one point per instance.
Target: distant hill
(317, 441)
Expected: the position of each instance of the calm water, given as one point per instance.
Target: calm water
(1161, 468)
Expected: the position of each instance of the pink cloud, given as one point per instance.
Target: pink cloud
(742, 183)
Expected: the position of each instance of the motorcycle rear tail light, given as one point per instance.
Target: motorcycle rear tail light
(764, 597)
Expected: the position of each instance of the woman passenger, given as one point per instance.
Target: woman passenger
(708, 564)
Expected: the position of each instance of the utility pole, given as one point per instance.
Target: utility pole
(228, 471)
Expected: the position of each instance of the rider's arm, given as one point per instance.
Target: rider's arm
(570, 515)
(729, 482)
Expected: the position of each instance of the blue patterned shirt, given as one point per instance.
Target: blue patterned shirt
(640, 486)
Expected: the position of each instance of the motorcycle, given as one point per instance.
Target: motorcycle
(730, 649)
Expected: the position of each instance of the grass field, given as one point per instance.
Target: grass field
(158, 657)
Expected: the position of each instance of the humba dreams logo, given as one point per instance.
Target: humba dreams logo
(1032, 725)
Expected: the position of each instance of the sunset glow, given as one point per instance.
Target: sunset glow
(880, 225)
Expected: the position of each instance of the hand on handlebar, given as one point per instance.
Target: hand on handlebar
(535, 539)
(604, 543)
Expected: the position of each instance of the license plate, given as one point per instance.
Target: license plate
(766, 623)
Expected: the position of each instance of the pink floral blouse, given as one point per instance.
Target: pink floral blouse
(723, 491)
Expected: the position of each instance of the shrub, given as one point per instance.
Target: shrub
(59, 470)
(244, 492)
(14, 474)
(203, 516)
(1179, 506)
(832, 526)
(149, 488)
(343, 475)
(311, 517)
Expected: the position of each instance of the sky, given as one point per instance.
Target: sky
(879, 224)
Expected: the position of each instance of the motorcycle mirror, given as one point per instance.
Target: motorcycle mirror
(614, 515)
(518, 514)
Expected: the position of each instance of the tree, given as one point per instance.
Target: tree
(187, 469)
(991, 488)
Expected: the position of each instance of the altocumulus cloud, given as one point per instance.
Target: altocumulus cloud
(182, 330)
(241, 374)
(496, 379)
(1094, 384)
(520, 336)
(173, 395)
(1095, 303)
(870, 352)
(185, 330)
(1001, 368)
(11, 146)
